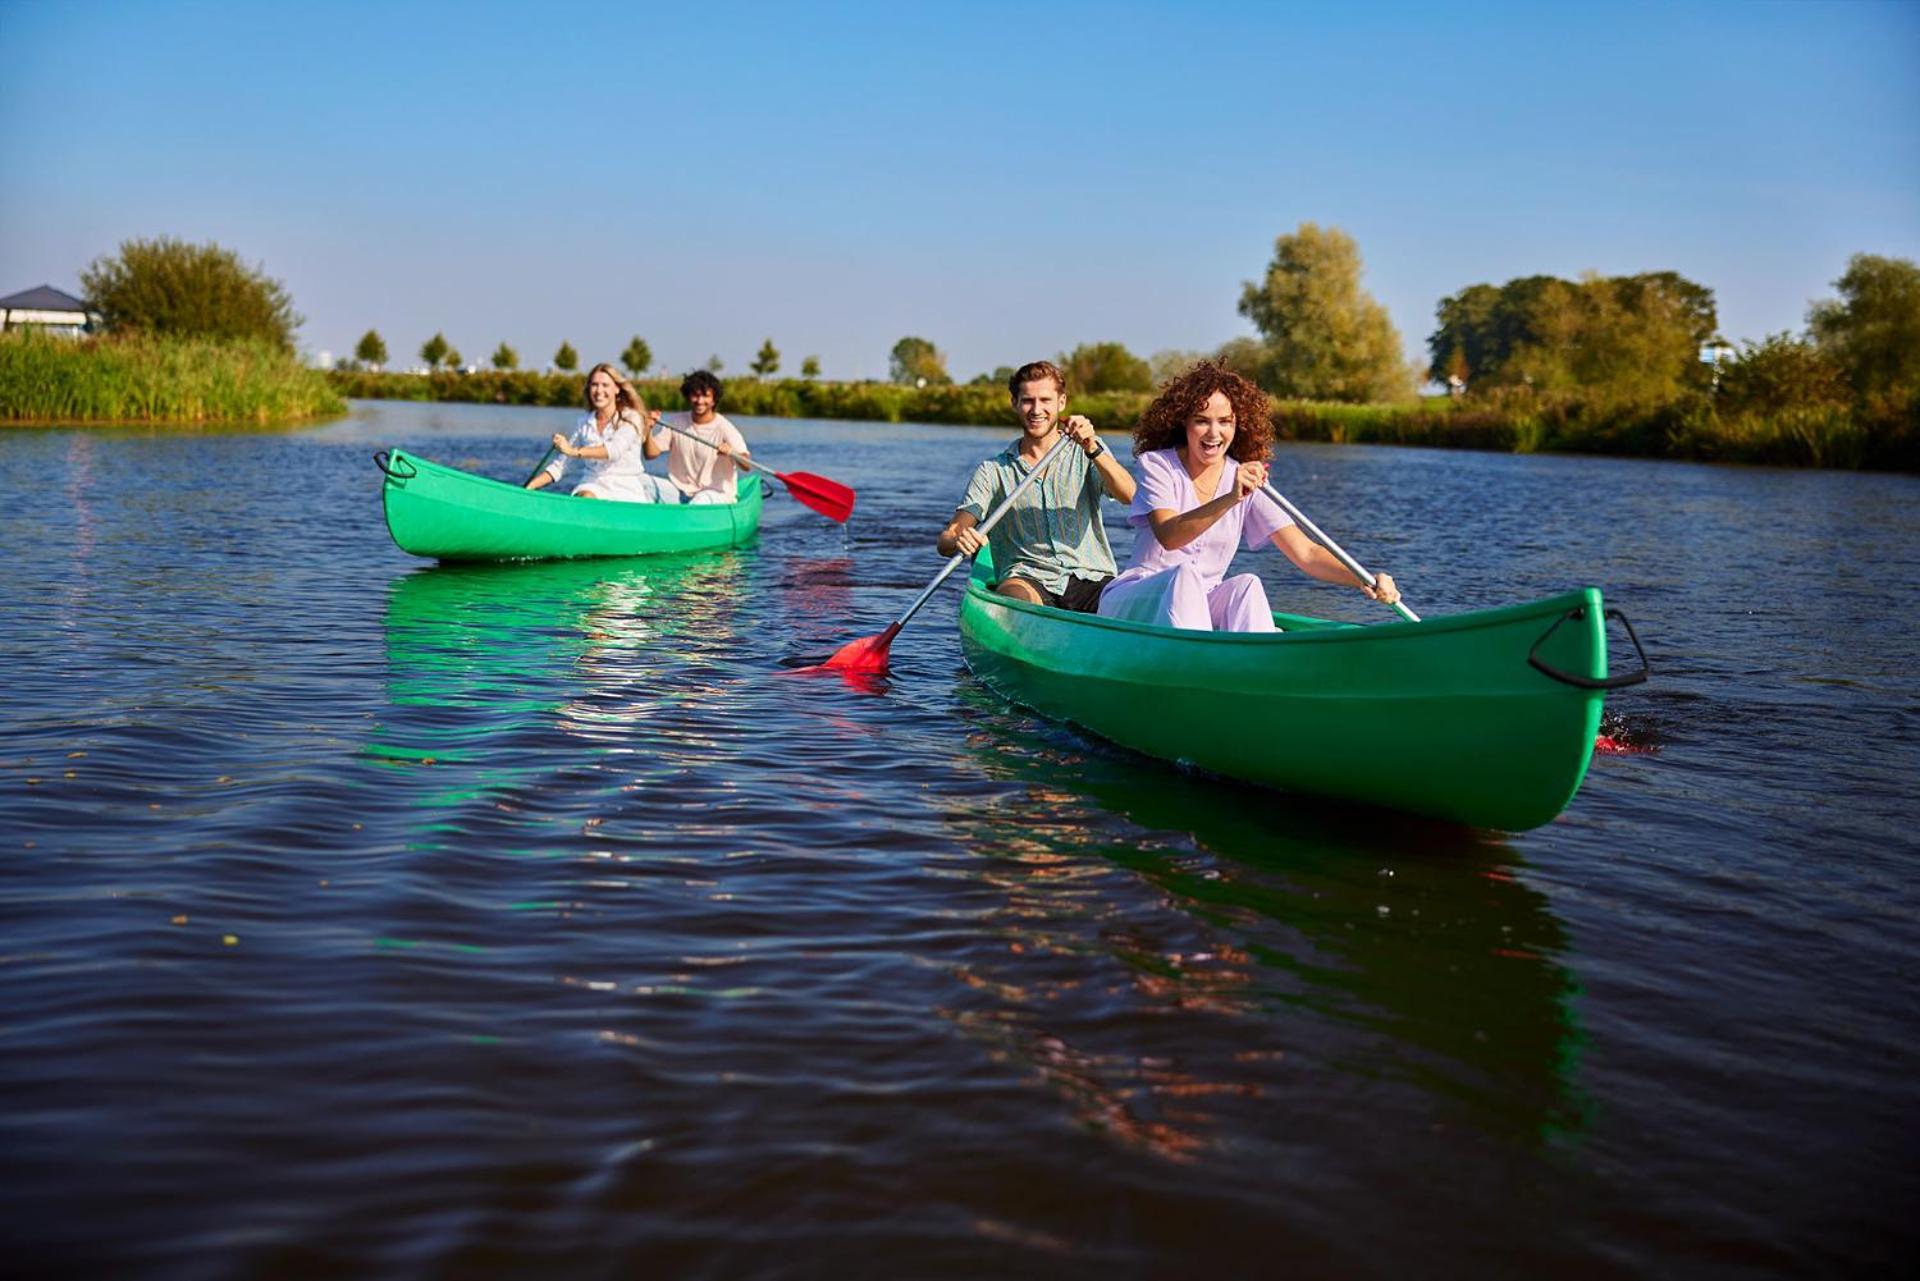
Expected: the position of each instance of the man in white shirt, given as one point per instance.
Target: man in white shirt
(702, 448)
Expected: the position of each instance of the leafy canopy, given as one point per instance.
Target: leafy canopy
(566, 359)
(372, 349)
(913, 359)
(1326, 338)
(1873, 328)
(1629, 337)
(167, 286)
(638, 357)
(767, 362)
(1105, 366)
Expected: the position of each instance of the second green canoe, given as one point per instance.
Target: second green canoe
(1486, 718)
(449, 514)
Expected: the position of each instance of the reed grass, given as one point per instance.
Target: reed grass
(154, 379)
(1689, 427)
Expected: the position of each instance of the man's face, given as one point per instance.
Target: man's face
(1039, 404)
(700, 401)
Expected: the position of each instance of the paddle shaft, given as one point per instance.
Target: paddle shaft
(739, 460)
(544, 460)
(1320, 536)
(993, 518)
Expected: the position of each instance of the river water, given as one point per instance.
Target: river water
(368, 918)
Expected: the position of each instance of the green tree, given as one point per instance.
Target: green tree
(638, 357)
(505, 357)
(810, 367)
(372, 349)
(1105, 366)
(1170, 363)
(168, 286)
(1783, 373)
(434, 350)
(1244, 356)
(914, 359)
(1327, 339)
(566, 359)
(1626, 337)
(1873, 328)
(454, 359)
(715, 364)
(767, 362)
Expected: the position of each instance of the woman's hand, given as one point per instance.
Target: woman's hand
(560, 443)
(1246, 479)
(1383, 589)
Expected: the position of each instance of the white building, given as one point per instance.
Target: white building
(53, 310)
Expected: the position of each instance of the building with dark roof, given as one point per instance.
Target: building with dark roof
(54, 311)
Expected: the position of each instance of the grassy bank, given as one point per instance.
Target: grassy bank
(156, 380)
(1690, 428)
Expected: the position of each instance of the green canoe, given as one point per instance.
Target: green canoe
(1486, 718)
(453, 515)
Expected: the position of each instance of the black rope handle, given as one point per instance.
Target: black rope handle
(1587, 682)
(382, 460)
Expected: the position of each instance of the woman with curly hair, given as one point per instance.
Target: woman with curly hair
(1203, 445)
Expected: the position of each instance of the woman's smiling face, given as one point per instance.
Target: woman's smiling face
(1210, 431)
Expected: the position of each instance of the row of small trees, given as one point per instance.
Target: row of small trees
(438, 353)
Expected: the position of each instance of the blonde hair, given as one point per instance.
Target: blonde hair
(625, 398)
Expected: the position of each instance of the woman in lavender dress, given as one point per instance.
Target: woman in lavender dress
(1202, 446)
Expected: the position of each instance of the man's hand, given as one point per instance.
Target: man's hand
(1080, 430)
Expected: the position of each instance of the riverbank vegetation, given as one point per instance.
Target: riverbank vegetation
(192, 334)
(157, 378)
(1631, 365)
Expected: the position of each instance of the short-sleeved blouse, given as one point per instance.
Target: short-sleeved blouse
(1165, 485)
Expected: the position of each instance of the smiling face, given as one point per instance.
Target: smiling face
(1039, 404)
(1210, 431)
(602, 391)
(700, 401)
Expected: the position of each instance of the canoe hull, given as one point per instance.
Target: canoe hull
(1444, 718)
(452, 515)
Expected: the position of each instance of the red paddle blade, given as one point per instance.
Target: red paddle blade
(866, 655)
(828, 497)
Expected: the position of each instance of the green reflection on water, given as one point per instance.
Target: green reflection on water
(1421, 938)
(478, 656)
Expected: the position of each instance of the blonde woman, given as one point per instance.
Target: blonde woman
(612, 440)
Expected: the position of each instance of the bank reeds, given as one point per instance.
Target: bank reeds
(1690, 427)
(152, 379)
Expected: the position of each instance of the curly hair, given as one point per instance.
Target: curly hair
(1164, 424)
(700, 380)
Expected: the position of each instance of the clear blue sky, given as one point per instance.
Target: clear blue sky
(1006, 180)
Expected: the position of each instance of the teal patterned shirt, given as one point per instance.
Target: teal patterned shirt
(1054, 530)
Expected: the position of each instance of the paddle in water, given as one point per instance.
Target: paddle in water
(1320, 535)
(868, 655)
(544, 460)
(828, 497)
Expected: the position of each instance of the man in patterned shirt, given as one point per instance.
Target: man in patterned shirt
(1051, 549)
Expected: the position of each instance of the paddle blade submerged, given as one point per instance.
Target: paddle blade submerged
(828, 497)
(866, 656)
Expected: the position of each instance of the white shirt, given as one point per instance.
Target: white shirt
(625, 459)
(696, 468)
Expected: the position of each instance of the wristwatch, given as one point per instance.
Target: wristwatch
(1099, 448)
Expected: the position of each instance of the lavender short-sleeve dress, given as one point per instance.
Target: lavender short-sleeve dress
(1189, 587)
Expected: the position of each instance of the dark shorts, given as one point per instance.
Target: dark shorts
(1082, 595)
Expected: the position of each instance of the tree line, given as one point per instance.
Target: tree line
(1641, 351)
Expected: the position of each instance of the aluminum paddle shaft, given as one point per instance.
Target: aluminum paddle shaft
(993, 518)
(1320, 536)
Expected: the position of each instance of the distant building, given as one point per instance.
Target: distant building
(49, 309)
